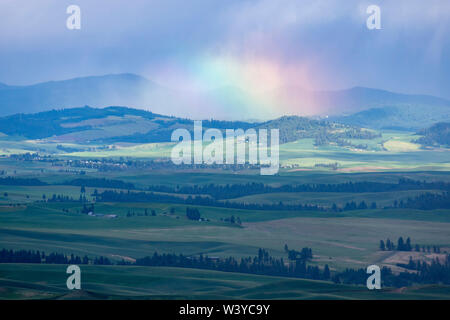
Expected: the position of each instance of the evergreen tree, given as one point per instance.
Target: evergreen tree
(400, 244)
(408, 246)
(389, 244)
(326, 272)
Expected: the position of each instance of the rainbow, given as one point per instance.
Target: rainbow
(251, 87)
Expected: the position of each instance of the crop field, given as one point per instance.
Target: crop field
(339, 239)
(131, 230)
(392, 151)
(114, 282)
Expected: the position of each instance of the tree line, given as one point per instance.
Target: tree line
(436, 272)
(31, 256)
(100, 183)
(230, 191)
(403, 245)
(262, 264)
(121, 196)
(427, 201)
(115, 196)
(296, 266)
(12, 181)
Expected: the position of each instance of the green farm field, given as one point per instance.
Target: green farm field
(340, 239)
(119, 282)
(345, 239)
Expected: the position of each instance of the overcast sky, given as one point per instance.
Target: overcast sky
(316, 44)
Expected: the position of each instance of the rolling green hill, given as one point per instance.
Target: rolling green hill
(121, 124)
(436, 135)
(25, 282)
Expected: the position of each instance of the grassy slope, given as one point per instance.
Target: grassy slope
(113, 282)
(328, 198)
(350, 238)
(392, 151)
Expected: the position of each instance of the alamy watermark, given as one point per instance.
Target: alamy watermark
(73, 22)
(374, 280)
(74, 280)
(211, 147)
(373, 22)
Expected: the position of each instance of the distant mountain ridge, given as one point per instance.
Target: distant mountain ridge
(359, 106)
(366, 98)
(101, 91)
(397, 118)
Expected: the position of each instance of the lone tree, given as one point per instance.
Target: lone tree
(408, 246)
(400, 244)
(326, 272)
(192, 213)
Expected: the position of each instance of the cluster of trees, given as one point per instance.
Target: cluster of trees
(31, 256)
(304, 255)
(233, 220)
(434, 273)
(401, 245)
(12, 181)
(63, 198)
(122, 164)
(406, 246)
(192, 213)
(100, 183)
(427, 201)
(120, 196)
(325, 139)
(352, 205)
(262, 264)
(88, 208)
(292, 128)
(29, 157)
(115, 196)
(333, 165)
(145, 213)
(436, 135)
(59, 198)
(68, 149)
